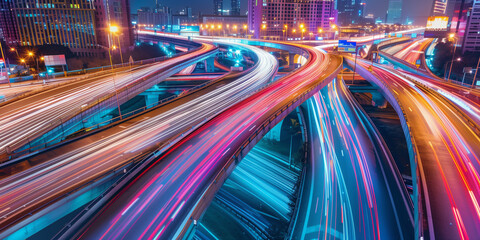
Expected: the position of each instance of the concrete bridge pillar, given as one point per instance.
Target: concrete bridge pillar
(210, 65)
(151, 99)
(291, 59)
(378, 100)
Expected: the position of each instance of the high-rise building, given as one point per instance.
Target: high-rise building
(394, 14)
(439, 7)
(81, 25)
(271, 18)
(32, 23)
(159, 17)
(235, 11)
(113, 13)
(8, 28)
(458, 25)
(217, 7)
(472, 34)
(350, 11)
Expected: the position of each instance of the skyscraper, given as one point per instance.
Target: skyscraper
(394, 14)
(81, 25)
(235, 8)
(350, 11)
(274, 18)
(217, 7)
(439, 7)
(30, 23)
(8, 28)
(472, 34)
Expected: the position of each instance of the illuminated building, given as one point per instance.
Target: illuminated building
(71, 25)
(394, 14)
(235, 8)
(350, 11)
(278, 18)
(439, 7)
(472, 34)
(81, 25)
(218, 7)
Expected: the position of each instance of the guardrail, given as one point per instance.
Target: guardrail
(80, 123)
(86, 214)
(59, 133)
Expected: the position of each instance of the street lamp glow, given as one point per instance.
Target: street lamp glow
(264, 26)
(113, 29)
(452, 35)
(219, 26)
(12, 49)
(294, 30)
(320, 30)
(244, 26)
(334, 26)
(459, 59)
(302, 26)
(30, 54)
(22, 60)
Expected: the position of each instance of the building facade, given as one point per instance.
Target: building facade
(71, 24)
(113, 13)
(217, 7)
(235, 11)
(285, 18)
(158, 17)
(81, 25)
(8, 28)
(394, 14)
(439, 7)
(350, 11)
(471, 41)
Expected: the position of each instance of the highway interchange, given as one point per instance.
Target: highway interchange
(191, 144)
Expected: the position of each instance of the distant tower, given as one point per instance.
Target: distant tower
(394, 11)
(439, 7)
(217, 7)
(235, 8)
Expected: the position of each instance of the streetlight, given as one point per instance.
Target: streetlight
(303, 30)
(286, 31)
(454, 50)
(451, 63)
(264, 27)
(114, 30)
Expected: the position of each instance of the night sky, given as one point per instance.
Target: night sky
(415, 9)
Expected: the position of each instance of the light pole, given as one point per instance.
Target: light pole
(264, 27)
(320, 31)
(446, 66)
(114, 30)
(113, 78)
(453, 57)
(286, 31)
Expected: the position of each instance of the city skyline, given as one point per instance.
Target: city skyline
(413, 9)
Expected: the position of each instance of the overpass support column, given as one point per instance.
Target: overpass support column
(291, 59)
(210, 65)
(150, 99)
(378, 100)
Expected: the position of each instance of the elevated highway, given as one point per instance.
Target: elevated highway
(165, 198)
(26, 119)
(48, 176)
(444, 151)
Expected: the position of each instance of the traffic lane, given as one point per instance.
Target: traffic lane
(91, 160)
(443, 155)
(189, 168)
(35, 115)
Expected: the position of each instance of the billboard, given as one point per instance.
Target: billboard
(346, 46)
(54, 60)
(437, 27)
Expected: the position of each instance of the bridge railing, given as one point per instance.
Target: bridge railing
(64, 135)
